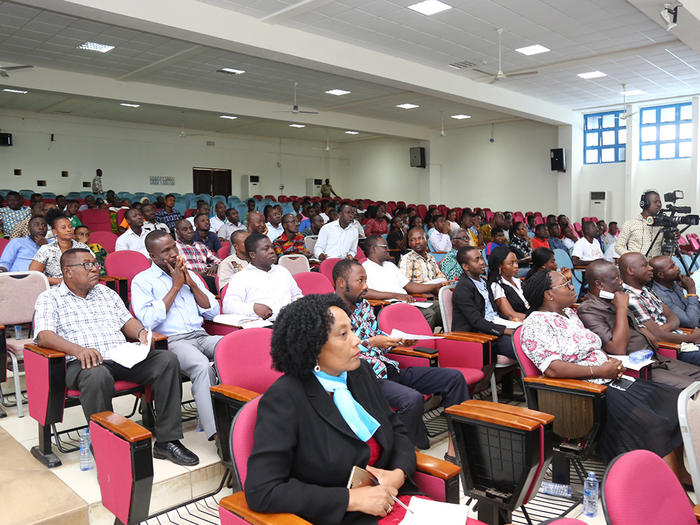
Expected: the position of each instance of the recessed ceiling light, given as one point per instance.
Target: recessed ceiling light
(352, 132)
(592, 74)
(229, 117)
(231, 71)
(297, 125)
(430, 7)
(95, 46)
(407, 106)
(632, 92)
(338, 92)
(533, 50)
(460, 116)
(20, 91)
(127, 105)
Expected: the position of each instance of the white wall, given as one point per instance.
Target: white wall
(602, 177)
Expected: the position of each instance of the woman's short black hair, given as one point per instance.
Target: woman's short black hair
(53, 215)
(300, 331)
(540, 257)
(496, 258)
(534, 288)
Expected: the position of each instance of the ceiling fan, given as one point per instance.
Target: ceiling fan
(625, 115)
(183, 134)
(327, 148)
(443, 133)
(500, 75)
(295, 107)
(5, 69)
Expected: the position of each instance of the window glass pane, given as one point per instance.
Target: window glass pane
(687, 112)
(649, 134)
(686, 131)
(592, 156)
(592, 138)
(622, 136)
(621, 153)
(667, 132)
(608, 138)
(667, 151)
(607, 155)
(648, 116)
(668, 114)
(649, 152)
(608, 121)
(685, 149)
(592, 122)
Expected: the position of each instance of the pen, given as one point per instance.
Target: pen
(404, 506)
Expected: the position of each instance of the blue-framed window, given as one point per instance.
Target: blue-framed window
(604, 137)
(666, 132)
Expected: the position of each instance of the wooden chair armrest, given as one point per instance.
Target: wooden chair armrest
(377, 302)
(46, 352)
(235, 392)
(407, 350)
(686, 330)
(423, 295)
(542, 417)
(569, 384)
(470, 337)
(237, 504)
(696, 510)
(121, 426)
(668, 344)
(436, 467)
(157, 337)
(488, 415)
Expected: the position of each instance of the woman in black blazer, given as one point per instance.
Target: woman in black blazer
(304, 448)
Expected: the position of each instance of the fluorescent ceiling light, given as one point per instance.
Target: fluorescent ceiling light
(407, 106)
(338, 92)
(430, 7)
(632, 92)
(592, 74)
(460, 117)
(127, 105)
(297, 125)
(229, 117)
(532, 50)
(231, 71)
(95, 46)
(20, 91)
(352, 132)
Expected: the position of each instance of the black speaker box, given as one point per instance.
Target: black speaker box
(557, 158)
(417, 157)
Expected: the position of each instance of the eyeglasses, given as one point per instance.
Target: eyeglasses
(566, 283)
(460, 239)
(385, 246)
(87, 265)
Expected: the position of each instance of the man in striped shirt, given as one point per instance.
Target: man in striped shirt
(198, 257)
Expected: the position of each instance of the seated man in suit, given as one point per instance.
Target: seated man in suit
(235, 262)
(262, 288)
(676, 290)
(86, 320)
(617, 328)
(403, 388)
(473, 308)
(172, 300)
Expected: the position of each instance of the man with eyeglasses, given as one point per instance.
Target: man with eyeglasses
(449, 265)
(620, 333)
(291, 242)
(86, 321)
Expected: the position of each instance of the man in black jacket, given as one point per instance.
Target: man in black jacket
(472, 304)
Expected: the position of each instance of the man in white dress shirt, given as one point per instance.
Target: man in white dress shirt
(233, 224)
(587, 248)
(219, 217)
(149, 219)
(440, 235)
(261, 289)
(274, 223)
(338, 238)
(133, 238)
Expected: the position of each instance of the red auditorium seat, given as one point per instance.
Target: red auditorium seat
(313, 282)
(106, 239)
(96, 219)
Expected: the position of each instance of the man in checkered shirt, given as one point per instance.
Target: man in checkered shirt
(13, 213)
(86, 320)
(637, 274)
(198, 257)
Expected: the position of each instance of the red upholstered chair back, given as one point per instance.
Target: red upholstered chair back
(528, 368)
(313, 282)
(120, 216)
(242, 438)
(407, 318)
(96, 219)
(3, 243)
(361, 257)
(108, 240)
(126, 264)
(225, 250)
(243, 359)
(327, 267)
(640, 488)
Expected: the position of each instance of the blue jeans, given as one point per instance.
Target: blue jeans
(690, 357)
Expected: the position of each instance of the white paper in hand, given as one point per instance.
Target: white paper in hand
(130, 354)
(429, 511)
(398, 334)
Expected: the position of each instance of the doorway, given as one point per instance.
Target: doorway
(212, 181)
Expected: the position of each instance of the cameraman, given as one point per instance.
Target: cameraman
(636, 235)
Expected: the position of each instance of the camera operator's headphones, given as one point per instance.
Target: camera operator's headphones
(644, 199)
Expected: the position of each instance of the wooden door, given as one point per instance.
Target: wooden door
(212, 181)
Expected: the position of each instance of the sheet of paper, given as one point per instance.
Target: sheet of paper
(398, 334)
(241, 321)
(627, 362)
(507, 323)
(130, 354)
(435, 281)
(420, 304)
(256, 323)
(429, 511)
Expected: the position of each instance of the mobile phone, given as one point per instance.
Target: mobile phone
(606, 295)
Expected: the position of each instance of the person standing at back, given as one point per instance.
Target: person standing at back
(636, 234)
(97, 183)
(327, 189)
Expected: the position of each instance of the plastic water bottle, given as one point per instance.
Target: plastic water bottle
(555, 489)
(85, 459)
(590, 495)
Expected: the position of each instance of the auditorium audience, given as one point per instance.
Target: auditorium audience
(48, 258)
(172, 300)
(18, 253)
(236, 261)
(542, 259)
(36, 209)
(439, 238)
(204, 209)
(232, 224)
(619, 332)
(677, 291)
(338, 238)
(315, 225)
(262, 288)
(541, 238)
(273, 215)
(250, 204)
(555, 241)
(418, 264)
(204, 233)
(449, 265)
(256, 223)
(13, 213)
(168, 215)
(396, 239)
(587, 248)
(134, 238)
(520, 242)
(402, 387)
(504, 284)
(71, 212)
(150, 222)
(532, 224)
(499, 240)
(375, 224)
(219, 218)
(198, 257)
(610, 236)
(291, 242)
(569, 237)
(82, 234)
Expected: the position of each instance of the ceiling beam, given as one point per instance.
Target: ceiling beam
(164, 62)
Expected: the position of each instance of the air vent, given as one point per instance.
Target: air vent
(211, 143)
(464, 64)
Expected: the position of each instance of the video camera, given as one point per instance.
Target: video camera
(667, 217)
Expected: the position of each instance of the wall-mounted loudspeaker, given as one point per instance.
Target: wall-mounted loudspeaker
(417, 157)
(557, 158)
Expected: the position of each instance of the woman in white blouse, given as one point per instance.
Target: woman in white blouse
(504, 284)
(48, 259)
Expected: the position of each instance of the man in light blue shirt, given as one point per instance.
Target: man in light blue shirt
(19, 252)
(171, 300)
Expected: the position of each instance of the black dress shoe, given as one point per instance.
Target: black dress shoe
(175, 452)
(452, 459)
